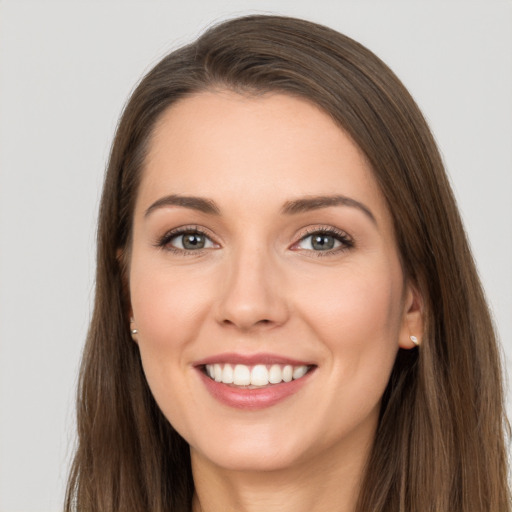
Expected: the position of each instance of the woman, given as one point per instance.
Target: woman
(287, 313)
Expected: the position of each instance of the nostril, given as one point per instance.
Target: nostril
(264, 321)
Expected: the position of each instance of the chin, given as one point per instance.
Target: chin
(248, 458)
(249, 448)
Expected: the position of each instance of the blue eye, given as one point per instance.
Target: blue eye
(188, 240)
(319, 242)
(325, 241)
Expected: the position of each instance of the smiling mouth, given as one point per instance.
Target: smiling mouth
(256, 376)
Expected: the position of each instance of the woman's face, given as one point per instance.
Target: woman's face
(265, 282)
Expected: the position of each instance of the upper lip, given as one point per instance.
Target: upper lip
(251, 359)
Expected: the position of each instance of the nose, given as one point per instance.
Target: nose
(253, 292)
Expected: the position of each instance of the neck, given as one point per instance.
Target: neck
(330, 482)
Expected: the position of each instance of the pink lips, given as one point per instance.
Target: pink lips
(250, 360)
(255, 398)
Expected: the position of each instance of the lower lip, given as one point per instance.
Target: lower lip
(253, 399)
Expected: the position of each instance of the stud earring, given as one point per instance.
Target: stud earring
(414, 340)
(133, 332)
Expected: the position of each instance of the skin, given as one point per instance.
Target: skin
(259, 286)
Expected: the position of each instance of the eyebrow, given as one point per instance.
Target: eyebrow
(316, 202)
(195, 203)
(293, 207)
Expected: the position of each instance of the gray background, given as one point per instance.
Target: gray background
(66, 69)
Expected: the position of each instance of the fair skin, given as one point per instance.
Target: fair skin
(265, 277)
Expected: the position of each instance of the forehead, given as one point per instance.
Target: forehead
(275, 146)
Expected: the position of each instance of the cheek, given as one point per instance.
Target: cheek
(168, 310)
(358, 315)
(167, 306)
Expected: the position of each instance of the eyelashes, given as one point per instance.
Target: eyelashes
(319, 241)
(186, 240)
(324, 241)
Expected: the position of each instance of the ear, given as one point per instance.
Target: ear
(413, 318)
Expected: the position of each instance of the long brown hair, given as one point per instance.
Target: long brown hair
(440, 444)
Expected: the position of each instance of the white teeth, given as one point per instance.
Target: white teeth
(275, 375)
(242, 375)
(258, 375)
(217, 372)
(227, 374)
(299, 371)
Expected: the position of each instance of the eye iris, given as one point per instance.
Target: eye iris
(322, 242)
(193, 241)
